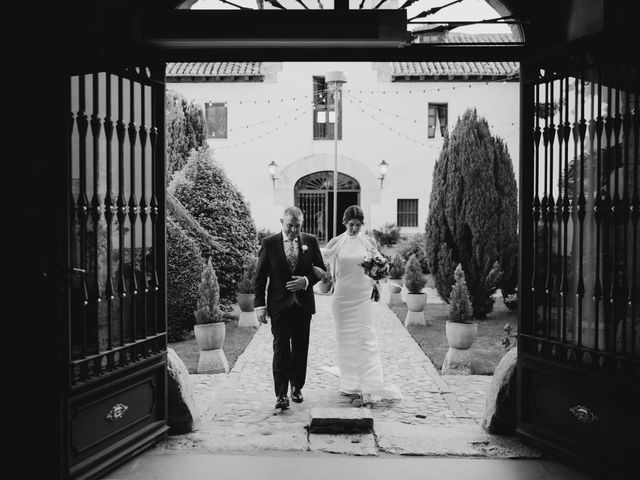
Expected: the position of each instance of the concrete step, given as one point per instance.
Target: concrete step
(340, 420)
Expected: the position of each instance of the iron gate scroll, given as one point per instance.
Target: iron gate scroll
(579, 341)
(117, 320)
(313, 195)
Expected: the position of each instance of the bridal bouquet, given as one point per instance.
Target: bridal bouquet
(376, 267)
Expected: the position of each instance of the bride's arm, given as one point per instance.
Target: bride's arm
(329, 249)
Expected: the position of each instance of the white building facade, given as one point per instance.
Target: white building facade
(282, 114)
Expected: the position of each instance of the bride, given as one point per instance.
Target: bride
(359, 359)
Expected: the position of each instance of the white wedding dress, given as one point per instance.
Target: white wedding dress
(359, 361)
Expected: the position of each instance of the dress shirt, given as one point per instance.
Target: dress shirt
(285, 241)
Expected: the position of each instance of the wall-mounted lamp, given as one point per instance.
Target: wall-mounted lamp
(384, 167)
(273, 171)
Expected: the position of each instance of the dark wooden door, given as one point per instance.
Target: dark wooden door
(579, 342)
(115, 388)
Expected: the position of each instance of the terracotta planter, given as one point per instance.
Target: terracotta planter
(397, 281)
(461, 335)
(210, 336)
(416, 301)
(323, 287)
(245, 301)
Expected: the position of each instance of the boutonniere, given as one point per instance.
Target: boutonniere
(304, 248)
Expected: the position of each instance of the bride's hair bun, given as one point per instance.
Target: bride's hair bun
(354, 212)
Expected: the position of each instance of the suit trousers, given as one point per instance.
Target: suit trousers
(290, 329)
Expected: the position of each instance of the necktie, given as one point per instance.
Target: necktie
(291, 254)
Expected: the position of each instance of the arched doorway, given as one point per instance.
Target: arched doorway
(314, 196)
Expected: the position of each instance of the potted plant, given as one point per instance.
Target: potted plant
(460, 329)
(414, 281)
(396, 271)
(247, 284)
(209, 328)
(326, 282)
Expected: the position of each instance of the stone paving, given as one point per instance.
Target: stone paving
(439, 415)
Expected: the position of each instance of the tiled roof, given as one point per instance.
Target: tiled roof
(177, 71)
(446, 70)
(452, 37)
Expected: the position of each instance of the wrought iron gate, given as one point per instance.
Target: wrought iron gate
(116, 382)
(579, 342)
(314, 196)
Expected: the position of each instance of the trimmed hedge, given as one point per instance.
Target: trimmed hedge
(209, 196)
(184, 266)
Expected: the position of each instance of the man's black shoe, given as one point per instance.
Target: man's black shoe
(282, 402)
(296, 395)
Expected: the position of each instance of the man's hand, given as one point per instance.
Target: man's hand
(298, 283)
(320, 273)
(261, 313)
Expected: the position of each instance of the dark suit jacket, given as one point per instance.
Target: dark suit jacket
(272, 265)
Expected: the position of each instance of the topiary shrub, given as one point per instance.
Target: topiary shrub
(219, 207)
(460, 309)
(413, 277)
(472, 212)
(208, 304)
(184, 266)
(247, 283)
(396, 267)
(414, 245)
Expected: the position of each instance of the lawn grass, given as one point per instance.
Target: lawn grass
(432, 338)
(235, 341)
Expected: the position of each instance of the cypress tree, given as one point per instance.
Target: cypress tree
(472, 212)
(186, 130)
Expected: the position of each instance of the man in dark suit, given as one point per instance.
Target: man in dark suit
(286, 260)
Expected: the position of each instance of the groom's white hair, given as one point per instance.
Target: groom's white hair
(294, 212)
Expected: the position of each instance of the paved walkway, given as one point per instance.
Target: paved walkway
(439, 415)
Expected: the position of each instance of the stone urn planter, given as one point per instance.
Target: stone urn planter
(415, 298)
(460, 329)
(461, 335)
(248, 317)
(394, 286)
(209, 328)
(245, 301)
(245, 294)
(416, 301)
(210, 336)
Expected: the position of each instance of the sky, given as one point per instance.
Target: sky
(463, 11)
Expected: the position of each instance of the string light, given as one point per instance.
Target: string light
(276, 117)
(413, 120)
(372, 92)
(263, 135)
